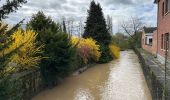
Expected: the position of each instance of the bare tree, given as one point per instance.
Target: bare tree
(80, 28)
(64, 25)
(110, 24)
(72, 26)
(132, 26)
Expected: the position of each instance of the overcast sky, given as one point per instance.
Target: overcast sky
(118, 9)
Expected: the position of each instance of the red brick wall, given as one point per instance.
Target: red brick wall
(155, 42)
(163, 26)
(152, 49)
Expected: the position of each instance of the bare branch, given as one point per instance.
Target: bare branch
(132, 26)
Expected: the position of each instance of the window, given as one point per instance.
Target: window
(166, 6)
(150, 41)
(162, 41)
(166, 41)
(163, 7)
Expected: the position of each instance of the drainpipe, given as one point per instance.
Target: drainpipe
(157, 30)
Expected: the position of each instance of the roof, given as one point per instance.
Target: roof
(149, 29)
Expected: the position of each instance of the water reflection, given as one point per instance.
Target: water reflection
(121, 79)
(83, 94)
(126, 80)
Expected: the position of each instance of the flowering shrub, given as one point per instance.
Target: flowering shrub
(26, 56)
(87, 49)
(114, 51)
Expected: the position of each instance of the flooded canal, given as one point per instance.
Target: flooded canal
(120, 79)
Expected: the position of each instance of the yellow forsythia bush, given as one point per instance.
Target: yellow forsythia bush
(26, 56)
(87, 49)
(114, 51)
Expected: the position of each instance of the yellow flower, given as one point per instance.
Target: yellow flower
(87, 48)
(114, 51)
(26, 56)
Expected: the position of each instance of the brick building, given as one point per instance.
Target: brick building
(163, 27)
(149, 39)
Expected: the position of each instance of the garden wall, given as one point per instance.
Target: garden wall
(25, 85)
(154, 76)
(21, 86)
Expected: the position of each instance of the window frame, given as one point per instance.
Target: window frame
(162, 41)
(166, 6)
(147, 38)
(163, 8)
(166, 36)
(151, 42)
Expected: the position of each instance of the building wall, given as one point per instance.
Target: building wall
(163, 27)
(150, 48)
(155, 42)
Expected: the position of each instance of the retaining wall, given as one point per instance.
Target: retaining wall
(155, 77)
(21, 86)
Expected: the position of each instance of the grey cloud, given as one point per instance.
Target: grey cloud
(123, 2)
(46, 4)
(77, 9)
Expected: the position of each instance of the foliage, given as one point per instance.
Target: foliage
(26, 56)
(138, 38)
(136, 41)
(115, 51)
(42, 24)
(27, 83)
(39, 22)
(60, 55)
(105, 54)
(96, 25)
(64, 26)
(133, 27)
(59, 51)
(96, 28)
(10, 6)
(87, 49)
(121, 41)
(5, 42)
(14, 28)
(8, 89)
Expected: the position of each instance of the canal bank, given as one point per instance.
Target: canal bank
(155, 75)
(121, 79)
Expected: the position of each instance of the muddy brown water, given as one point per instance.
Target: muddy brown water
(120, 79)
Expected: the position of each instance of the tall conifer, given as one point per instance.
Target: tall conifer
(96, 28)
(96, 25)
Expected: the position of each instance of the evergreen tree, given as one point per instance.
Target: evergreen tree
(64, 27)
(39, 22)
(58, 50)
(10, 6)
(96, 28)
(96, 25)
